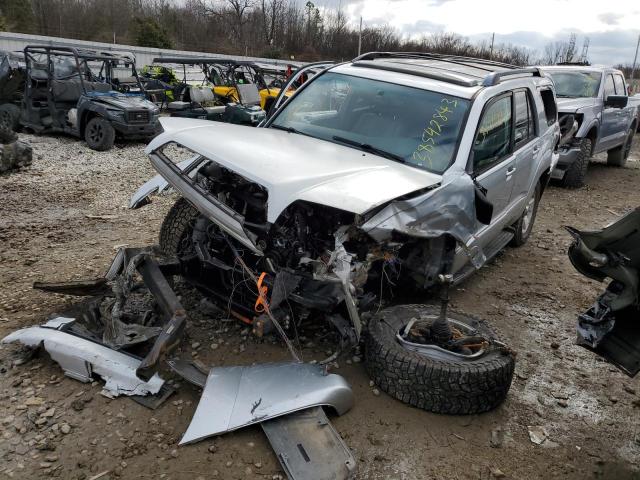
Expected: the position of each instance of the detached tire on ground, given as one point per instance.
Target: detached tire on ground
(99, 134)
(618, 156)
(177, 227)
(9, 116)
(577, 172)
(442, 386)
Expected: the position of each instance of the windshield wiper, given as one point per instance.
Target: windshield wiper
(282, 127)
(370, 148)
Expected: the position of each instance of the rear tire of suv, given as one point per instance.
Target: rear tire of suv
(177, 227)
(577, 172)
(618, 156)
(443, 385)
(10, 116)
(524, 225)
(99, 134)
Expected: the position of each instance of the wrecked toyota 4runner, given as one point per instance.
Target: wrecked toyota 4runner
(380, 182)
(379, 179)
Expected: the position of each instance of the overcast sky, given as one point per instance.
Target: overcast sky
(611, 25)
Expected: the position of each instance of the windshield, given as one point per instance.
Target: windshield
(410, 125)
(576, 84)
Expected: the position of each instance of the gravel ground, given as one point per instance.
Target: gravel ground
(64, 216)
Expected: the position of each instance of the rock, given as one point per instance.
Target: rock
(248, 470)
(229, 463)
(371, 384)
(77, 405)
(497, 437)
(537, 434)
(8, 420)
(356, 359)
(376, 392)
(251, 444)
(496, 472)
(14, 153)
(65, 428)
(195, 345)
(49, 413)
(212, 449)
(555, 345)
(33, 401)
(214, 346)
(45, 464)
(258, 464)
(51, 458)
(563, 403)
(174, 453)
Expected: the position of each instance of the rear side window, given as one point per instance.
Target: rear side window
(619, 82)
(524, 119)
(609, 88)
(493, 140)
(549, 103)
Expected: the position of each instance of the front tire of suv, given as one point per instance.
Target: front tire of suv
(524, 225)
(177, 227)
(618, 156)
(99, 134)
(577, 172)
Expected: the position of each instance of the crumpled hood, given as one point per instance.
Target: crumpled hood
(122, 101)
(571, 105)
(296, 167)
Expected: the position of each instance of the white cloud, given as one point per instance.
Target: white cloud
(611, 25)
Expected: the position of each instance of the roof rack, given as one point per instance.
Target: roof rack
(433, 56)
(451, 76)
(495, 77)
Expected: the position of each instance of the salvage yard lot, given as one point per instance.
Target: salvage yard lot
(63, 217)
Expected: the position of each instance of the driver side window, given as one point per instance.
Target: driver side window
(493, 139)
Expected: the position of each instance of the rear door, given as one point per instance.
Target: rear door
(526, 144)
(610, 117)
(493, 161)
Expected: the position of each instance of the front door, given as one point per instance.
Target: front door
(494, 164)
(609, 127)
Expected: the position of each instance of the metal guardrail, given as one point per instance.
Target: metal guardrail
(10, 41)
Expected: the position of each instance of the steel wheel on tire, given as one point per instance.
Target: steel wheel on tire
(96, 133)
(431, 378)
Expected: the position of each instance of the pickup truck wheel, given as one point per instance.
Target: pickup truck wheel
(10, 116)
(576, 173)
(442, 381)
(99, 134)
(177, 226)
(524, 225)
(618, 156)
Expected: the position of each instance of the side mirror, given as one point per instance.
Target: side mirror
(616, 101)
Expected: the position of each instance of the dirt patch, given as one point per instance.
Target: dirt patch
(62, 218)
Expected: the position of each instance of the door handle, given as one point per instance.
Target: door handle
(511, 170)
(536, 149)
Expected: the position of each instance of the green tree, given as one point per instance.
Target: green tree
(18, 15)
(149, 33)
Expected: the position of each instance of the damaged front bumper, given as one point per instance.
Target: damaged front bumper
(81, 358)
(567, 155)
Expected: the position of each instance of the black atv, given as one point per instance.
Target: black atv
(86, 93)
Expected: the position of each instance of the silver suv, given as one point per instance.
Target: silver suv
(378, 179)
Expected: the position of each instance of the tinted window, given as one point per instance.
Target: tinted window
(619, 82)
(550, 108)
(411, 125)
(493, 140)
(524, 119)
(609, 89)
